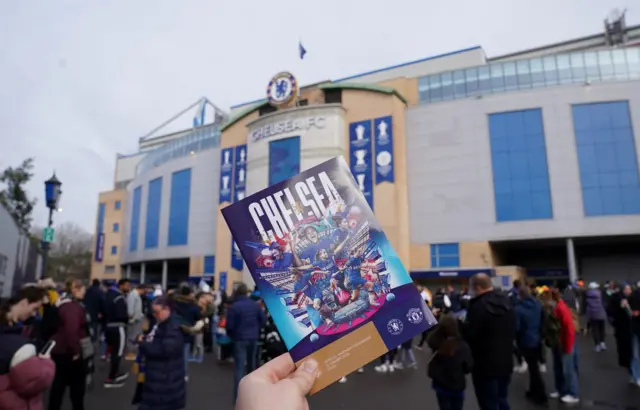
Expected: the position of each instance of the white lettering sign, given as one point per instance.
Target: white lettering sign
(282, 127)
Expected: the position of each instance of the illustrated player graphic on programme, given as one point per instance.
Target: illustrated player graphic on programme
(326, 270)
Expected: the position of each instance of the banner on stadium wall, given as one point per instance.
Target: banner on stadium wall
(226, 174)
(383, 142)
(99, 253)
(361, 156)
(236, 257)
(240, 173)
(450, 274)
(223, 281)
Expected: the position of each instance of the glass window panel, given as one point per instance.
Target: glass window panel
(592, 67)
(510, 77)
(620, 64)
(459, 85)
(435, 88)
(537, 72)
(484, 80)
(564, 69)
(633, 62)
(447, 85)
(578, 71)
(606, 65)
(524, 74)
(497, 77)
(550, 70)
(423, 83)
(472, 81)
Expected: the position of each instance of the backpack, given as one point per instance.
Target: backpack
(551, 328)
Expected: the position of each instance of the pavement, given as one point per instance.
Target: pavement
(603, 385)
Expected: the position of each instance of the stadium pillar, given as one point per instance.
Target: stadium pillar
(571, 259)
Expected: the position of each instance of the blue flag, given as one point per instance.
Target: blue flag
(301, 50)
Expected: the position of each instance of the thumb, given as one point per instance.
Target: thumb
(306, 375)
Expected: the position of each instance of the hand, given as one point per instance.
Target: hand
(624, 303)
(44, 356)
(76, 357)
(140, 338)
(278, 385)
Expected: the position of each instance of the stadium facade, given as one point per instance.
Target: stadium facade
(525, 163)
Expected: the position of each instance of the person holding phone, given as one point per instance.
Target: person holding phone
(71, 366)
(24, 374)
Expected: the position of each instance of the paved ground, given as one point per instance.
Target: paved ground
(603, 386)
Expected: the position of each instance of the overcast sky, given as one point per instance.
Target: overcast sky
(81, 80)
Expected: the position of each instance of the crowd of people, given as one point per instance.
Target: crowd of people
(51, 337)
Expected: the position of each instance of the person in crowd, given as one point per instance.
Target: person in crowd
(620, 316)
(116, 319)
(490, 330)
(406, 356)
(213, 320)
(387, 361)
(634, 307)
(441, 303)
(596, 315)
(426, 296)
(205, 303)
(529, 342)
(48, 312)
(450, 363)
(162, 350)
(521, 364)
(94, 303)
(560, 324)
(454, 298)
(24, 374)
(188, 314)
(244, 320)
(71, 365)
(278, 385)
(610, 289)
(136, 315)
(272, 343)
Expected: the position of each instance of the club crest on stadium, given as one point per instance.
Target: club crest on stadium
(282, 89)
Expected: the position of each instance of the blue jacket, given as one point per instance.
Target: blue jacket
(528, 323)
(94, 302)
(245, 318)
(164, 385)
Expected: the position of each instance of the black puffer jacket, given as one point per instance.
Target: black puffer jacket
(490, 331)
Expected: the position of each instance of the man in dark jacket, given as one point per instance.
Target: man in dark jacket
(490, 332)
(529, 341)
(188, 314)
(245, 318)
(116, 320)
(94, 303)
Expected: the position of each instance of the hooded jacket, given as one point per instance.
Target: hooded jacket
(72, 327)
(24, 376)
(188, 314)
(568, 330)
(528, 323)
(490, 331)
(594, 305)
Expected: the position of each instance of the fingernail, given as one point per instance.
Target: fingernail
(311, 365)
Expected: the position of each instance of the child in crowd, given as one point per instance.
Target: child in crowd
(450, 363)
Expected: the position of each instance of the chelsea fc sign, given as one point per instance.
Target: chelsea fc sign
(282, 89)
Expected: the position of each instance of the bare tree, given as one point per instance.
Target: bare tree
(70, 254)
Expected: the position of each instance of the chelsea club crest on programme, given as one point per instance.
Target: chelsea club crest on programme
(282, 89)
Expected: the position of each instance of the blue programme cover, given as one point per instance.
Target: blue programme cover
(333, 284)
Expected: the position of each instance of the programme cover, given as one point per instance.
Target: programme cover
(333, 284)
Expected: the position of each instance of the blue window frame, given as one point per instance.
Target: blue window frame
(118, 205)
(179, 208)
(519, 162)
(114, 250)
(135, 219)
(101, 212)
(607, 158)
(116, 227)
(209, 264)
(445, 255)
(284, 159)
(152, 226)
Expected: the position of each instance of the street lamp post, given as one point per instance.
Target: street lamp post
(52, 193)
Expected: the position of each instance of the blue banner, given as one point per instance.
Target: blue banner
(383, 131)
(223, 281)
(548, 273)
(236, 256)
(99, 253)
(361, 156)
(240, 173)
(226, 175)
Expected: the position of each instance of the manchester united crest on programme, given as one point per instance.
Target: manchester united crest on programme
(282, 89)
(415, 316)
